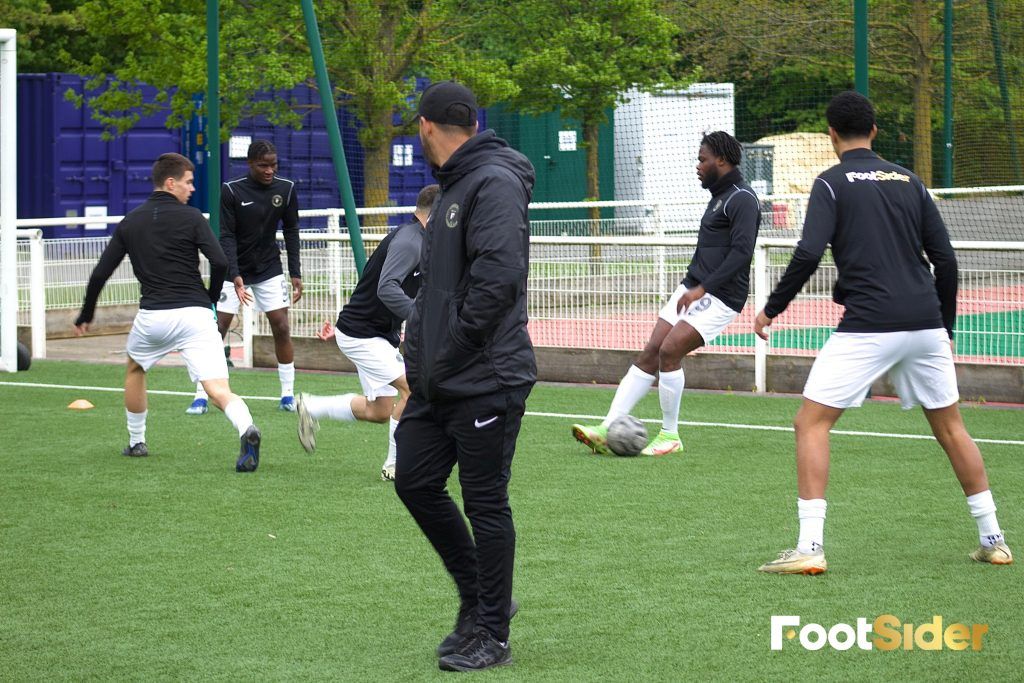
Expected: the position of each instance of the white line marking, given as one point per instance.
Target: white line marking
(562, 416)
(773, 428)
(120, 389)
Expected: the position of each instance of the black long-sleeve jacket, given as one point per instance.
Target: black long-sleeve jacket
(383, 297)
(249, 216)
(881, 222)
(725, 241)
(466, 335)
(163, 238)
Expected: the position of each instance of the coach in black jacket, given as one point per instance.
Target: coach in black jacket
(470, 366)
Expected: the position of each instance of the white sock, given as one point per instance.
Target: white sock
(983, 509)
(633, 387)
(670, 395)
(286, 373)
(392, 453)
(238, 414)
(201, 392)
(331, 407)
(812, 524)
(136, 426)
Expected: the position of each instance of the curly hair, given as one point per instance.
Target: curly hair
(723, 146)
(850, 115)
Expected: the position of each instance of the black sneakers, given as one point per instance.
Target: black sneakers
(249, 456)
(139, 450)
(464, 625)
(479, 651)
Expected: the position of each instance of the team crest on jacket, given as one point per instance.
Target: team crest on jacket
(451, 218)
(718, 205)
(277, 200)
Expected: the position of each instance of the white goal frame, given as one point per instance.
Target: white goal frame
(8, 200)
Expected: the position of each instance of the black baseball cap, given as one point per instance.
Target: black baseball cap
(448, 102)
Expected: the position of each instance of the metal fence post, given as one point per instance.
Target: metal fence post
(660, 266)
(760, 297)
(248, 322)
(334, 276)
(37, 294)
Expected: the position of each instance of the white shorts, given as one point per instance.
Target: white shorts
(268, 295)
(377, 361)
(919, 363)
(708, 315)
(191, 331)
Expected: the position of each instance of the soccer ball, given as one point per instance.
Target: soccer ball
(627, 436)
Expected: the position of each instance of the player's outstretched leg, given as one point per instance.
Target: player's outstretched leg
(813, 423)
(136, 409)
(387, 470)
(285, 352)
(964, 455)
(633, 387)
(237, 413)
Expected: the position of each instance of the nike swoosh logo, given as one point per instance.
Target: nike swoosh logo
(246, 203)
(416, 274)
(478, 424)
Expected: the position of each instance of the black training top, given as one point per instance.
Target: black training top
(880, 221)
(725, 242)
(249, 215)
(384, 294)
(163, 238)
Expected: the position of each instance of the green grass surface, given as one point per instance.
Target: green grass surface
(175, 567)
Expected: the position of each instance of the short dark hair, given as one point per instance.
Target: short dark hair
(170, 165)
(259, 149)
(425, 199)
(850, 115)
(723, 146)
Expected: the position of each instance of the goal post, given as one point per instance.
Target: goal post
(8, 201)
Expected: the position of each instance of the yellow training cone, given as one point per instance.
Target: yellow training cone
(80, 404)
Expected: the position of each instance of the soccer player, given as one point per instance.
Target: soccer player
(163, 238)
(881, 222)
(251, 208)
(367, 332)
(470, 366)
(709, 297)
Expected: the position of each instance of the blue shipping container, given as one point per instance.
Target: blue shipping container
(65, 168)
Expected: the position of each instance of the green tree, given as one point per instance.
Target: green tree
(580, 57)
(48, 33)
(773, 46)
(374, 50)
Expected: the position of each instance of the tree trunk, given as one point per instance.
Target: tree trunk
(376, 172)
(590, 140)
(377, 167)
(922, 92)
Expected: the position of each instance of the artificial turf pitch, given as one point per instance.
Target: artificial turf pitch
(176, 567)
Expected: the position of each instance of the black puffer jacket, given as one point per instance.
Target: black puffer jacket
(467, 333)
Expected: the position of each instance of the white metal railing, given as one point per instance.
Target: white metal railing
(591, 292)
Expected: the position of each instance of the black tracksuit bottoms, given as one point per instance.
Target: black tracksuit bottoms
(479, 434)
